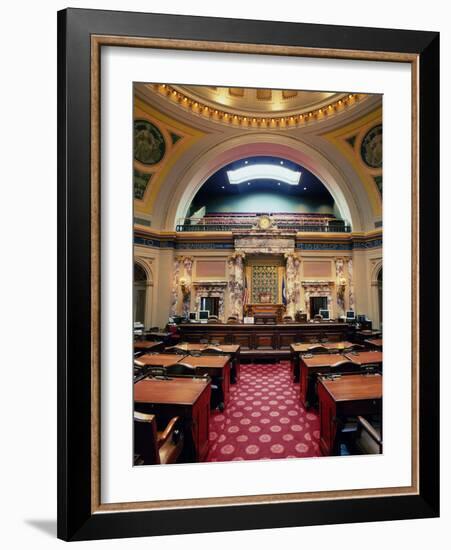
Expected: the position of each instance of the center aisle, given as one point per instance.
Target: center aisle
(264, 418)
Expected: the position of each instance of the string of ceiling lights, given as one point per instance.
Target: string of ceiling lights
(250, 122)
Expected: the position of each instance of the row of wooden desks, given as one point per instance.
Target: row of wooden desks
(229, 349)
(313, 365)
(188, 398)
(146, 345)
(216, 366)
(304, 347)
(347, 396)
(374, 342)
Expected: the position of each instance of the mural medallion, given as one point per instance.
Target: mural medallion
(149, 145)
(371, 148)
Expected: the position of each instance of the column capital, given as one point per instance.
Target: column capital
(237, 255)
(291, 255)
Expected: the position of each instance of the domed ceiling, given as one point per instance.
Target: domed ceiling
(258, 101)
(257, 108)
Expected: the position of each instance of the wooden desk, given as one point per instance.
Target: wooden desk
(159, 359)
(189, 399)
(374, 342)
(265, 340)
(362, 335)
(304, 347)
(349, 395)
(217, 367)
(230, 349)
(168, 338)
(159, 335)
(365, 357)
(146, 345)
(265, 312)
(310, 367)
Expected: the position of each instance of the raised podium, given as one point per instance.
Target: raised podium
(265, 313)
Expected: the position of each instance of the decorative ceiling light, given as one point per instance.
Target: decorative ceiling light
(264, 172)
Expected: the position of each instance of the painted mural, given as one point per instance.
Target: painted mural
(371, 148)
(140, 183)
(149, 144)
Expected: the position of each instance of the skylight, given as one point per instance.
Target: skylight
(264, 172)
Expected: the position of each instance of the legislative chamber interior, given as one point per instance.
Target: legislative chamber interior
(257, 323)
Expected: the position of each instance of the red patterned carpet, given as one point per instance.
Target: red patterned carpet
(264, 418)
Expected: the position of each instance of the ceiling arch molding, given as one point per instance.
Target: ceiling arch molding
(238, 147)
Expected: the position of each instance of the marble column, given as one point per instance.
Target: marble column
(351, 285)
(236, 284)
(291, 283)
(307, 301)
(175, 285)
(297, 285)
(340, 285)
(186, 287)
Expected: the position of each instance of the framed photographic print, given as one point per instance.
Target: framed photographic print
(213, 171)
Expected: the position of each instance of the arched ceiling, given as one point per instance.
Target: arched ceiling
(259, 101)
(199, 140)
(256, 108)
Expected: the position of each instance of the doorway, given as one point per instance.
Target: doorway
(317, 303)
(380, 296)
(211, 304)
(139, 294)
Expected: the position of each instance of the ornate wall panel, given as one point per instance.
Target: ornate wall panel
(265, 281)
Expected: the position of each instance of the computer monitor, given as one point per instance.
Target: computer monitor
(204, 314)
(324, 314)
(361, 318)
(350, 315)
(192, 316)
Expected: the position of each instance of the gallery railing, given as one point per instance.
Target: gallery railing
(192, 225)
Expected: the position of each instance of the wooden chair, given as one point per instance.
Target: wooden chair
(371, 368)
(212, 350)
(345, 366)
(354, 347)
(368, 437)
(213, 319)
(139, 373)
(232, 320)
(176, 349)
(318, 349)
(156, 447)
(357, 435)
(156, 371)
(180, 369)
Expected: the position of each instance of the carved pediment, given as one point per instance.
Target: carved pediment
(264, 244)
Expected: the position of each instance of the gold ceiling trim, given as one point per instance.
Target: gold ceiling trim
(228, 117)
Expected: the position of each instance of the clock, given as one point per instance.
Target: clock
(264, 222)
